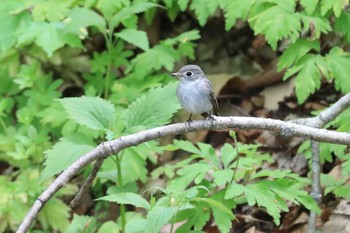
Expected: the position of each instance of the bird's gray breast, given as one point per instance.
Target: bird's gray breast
(194, 96)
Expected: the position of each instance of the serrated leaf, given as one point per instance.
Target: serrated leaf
(152, 109)
(129, 11)
(135, 37)
(318, 23)
(109, 227)
(49, 36)
(223, 219)
(339, 66)
(228, 154)
(236, 9)
(158, 217)
(64, 153)
(79, 18)
(82, 224)
(55, 214)
(127, 198)
(136, 225)
(201, 10)
(277, 22)
(221, 177)
(92, 112)
(183, 4)
(342, 24)
(335, 5)
(216, 204)
(296, 51)
(11, 24)
(308, 79)
(187, 146)
(309, 5)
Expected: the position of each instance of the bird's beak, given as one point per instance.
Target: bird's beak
(176, 75)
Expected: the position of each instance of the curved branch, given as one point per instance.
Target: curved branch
(106, 149)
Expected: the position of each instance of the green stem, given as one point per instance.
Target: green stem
(120, 184)
(109, 41)
(3, 125)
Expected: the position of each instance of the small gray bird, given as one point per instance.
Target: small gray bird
(195, 92)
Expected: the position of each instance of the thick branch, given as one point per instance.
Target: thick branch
(106, 149)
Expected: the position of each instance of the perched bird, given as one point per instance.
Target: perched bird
(195, 92)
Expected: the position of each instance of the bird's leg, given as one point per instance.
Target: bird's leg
(189, 120)
(208, 115)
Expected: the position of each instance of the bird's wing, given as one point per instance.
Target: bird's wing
(212, 98)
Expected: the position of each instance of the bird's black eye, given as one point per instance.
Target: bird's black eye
(188, 74)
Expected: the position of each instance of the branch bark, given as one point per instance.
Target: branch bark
(286, 129)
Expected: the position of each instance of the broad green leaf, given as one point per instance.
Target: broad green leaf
(82, 224)
(127, 198)
(193, 218)
(135, 37)
(183, 4)
(49, 36)
(187, 146)
(152, 109)
(339, 66)
(221, 177)
(64, 153)
(109, 227)
(136, 225)
(50, 10)
(277, 22)
(201, 10)
(309, 5)
(296, 51)
(11, 24)
(223, 219)
(342, 24)
(80, 18)
(235, 10)
(335, 5)
(92, 112)
(317, 24)
(157, 217)
(215, 204)
(129, 11)
(234, 190)
(55, 214)
(228, 154)
(308, 79)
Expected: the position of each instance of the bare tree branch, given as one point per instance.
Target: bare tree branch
(106, 149)
(87, 184)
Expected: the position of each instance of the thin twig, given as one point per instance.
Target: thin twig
(316, 183)
(87, 184)
(106, 149)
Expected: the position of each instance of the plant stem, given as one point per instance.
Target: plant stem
(120, 184)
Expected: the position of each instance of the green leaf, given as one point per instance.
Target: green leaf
(296, 51)
(151, 110)
(82, 224)
(49, 36)
(318, 23)
(183, 4)
(228, 154)
(342, 24)
(135, 37)
(277, 22)
(80, 18)
(221, 177)
(136, 225)
(129, 11)
(308, 79)
(127, 198)
(201, 10)
(216, 204)
(64, 153)
(92, 112)
(55, 214)
(339, 66)
(109, 227)
(158, 217)
(309, 5)
(236, 9)
(187, 146)
(335, 5)
(11, 23)
(221, 217)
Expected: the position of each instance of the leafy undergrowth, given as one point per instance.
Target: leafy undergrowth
(76, 73)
